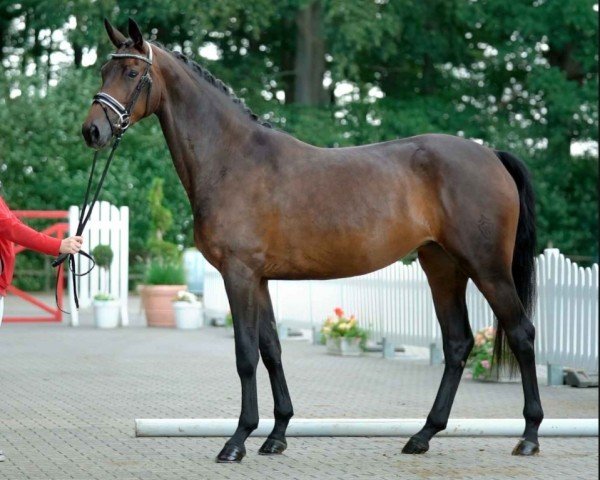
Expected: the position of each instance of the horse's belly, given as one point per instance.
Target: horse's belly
(344, 255)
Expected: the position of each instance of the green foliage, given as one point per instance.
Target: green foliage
(164, 251)
(165, 266)
(159, 273)
(47, 168)
(30, 272)
(103, 256)
(161, 220)
(103, 297)
(520, 76)
(161, 217)
(480, 358)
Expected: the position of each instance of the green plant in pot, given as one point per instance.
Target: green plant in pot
(106, 307)
(165, 275)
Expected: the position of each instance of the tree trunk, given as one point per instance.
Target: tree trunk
(428, 79)
(49, 65)
(309, 65)
(287, 60)
(3, 30)
(559, 140)
(77, 54)
(563, 59)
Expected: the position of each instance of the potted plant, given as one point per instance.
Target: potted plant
(342, 334)
(188, 310)
(165, 274)
(106, 307)
(163, 281)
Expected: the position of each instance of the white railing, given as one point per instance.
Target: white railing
(395, 303)
(108, 225)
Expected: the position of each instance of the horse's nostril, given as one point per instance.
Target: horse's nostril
(94, 132)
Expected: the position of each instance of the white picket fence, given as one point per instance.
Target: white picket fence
(108, 225)
(395, 303)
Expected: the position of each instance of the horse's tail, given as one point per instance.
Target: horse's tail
(523, 265)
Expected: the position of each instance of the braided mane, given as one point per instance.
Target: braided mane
(218, 84)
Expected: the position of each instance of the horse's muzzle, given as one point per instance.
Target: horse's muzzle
(96, 134)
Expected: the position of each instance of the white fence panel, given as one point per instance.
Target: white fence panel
(396, 303)
(215, 300)
(108, 225)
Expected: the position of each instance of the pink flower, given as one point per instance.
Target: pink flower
(339, 312)
(479, 340)
(485, 364)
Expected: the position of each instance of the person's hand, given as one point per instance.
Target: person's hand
(71, 245)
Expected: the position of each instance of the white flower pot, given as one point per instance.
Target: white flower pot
(107, 313)
(346, 347)
(188, 316)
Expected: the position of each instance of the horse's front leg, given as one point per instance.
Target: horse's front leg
(243, 292)
(270, 351)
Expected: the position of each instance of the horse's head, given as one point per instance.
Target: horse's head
(126, 95)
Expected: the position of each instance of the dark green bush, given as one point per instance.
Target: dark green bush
(159, 273)
(103, 255)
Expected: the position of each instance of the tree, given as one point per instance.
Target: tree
(519, 76)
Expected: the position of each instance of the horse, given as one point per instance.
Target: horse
(269, 206)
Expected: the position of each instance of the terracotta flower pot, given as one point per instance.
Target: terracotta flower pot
(157, 301)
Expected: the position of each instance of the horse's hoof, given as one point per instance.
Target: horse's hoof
(525, 447)
(272, 447)
(415, 445)
(231, 454)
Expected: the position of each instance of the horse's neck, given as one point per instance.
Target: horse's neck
(201, 126)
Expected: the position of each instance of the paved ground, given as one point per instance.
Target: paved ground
(69, 397)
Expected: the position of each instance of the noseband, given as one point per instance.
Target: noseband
(124, 112)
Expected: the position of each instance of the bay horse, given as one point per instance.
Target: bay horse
(268, 206)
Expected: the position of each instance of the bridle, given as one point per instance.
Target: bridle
(123, 112)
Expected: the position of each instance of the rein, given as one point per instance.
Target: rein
(106, 101)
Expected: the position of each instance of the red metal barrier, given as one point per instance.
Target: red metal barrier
(59, 230)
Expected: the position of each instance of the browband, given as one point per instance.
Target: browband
(147, 59)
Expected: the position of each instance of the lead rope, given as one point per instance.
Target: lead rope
(84, 217)
(124, 114)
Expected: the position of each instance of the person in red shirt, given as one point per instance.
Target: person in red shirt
(12, 231)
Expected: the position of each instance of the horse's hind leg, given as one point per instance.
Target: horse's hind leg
(270, 351)
(448, 286)
(499, 290)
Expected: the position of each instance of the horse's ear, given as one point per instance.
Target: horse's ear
(116, 37)
(136, 35)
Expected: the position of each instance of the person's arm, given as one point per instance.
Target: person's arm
(14, 230)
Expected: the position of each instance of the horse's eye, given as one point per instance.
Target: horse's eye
(132, 74)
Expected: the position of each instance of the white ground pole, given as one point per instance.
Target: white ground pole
(365, 427)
